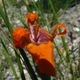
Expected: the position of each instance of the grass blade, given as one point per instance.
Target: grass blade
(20, 66)
(9, 59)
(4, 15)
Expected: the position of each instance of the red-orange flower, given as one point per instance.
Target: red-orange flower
(20, 37)
(38, 43)
(31, 18)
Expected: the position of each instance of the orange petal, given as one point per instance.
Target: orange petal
(43, 56)
(57, 27)
(20, 37)
(31, 17)
(33, 49)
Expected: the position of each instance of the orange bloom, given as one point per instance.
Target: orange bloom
(38, 43)
(43, 56)
(31, 18)
(20, 37)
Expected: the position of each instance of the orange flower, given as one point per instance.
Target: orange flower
(20, 37)
(31, 18)
(38, 43)
(43, 56)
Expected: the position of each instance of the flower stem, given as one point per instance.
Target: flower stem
(30, 69)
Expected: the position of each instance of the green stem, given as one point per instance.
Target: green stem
(30, 69)
(20, 66)
(79, 59)
(59, 52)
(25, 3)
(63, 38)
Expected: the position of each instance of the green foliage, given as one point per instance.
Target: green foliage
(58, 4)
